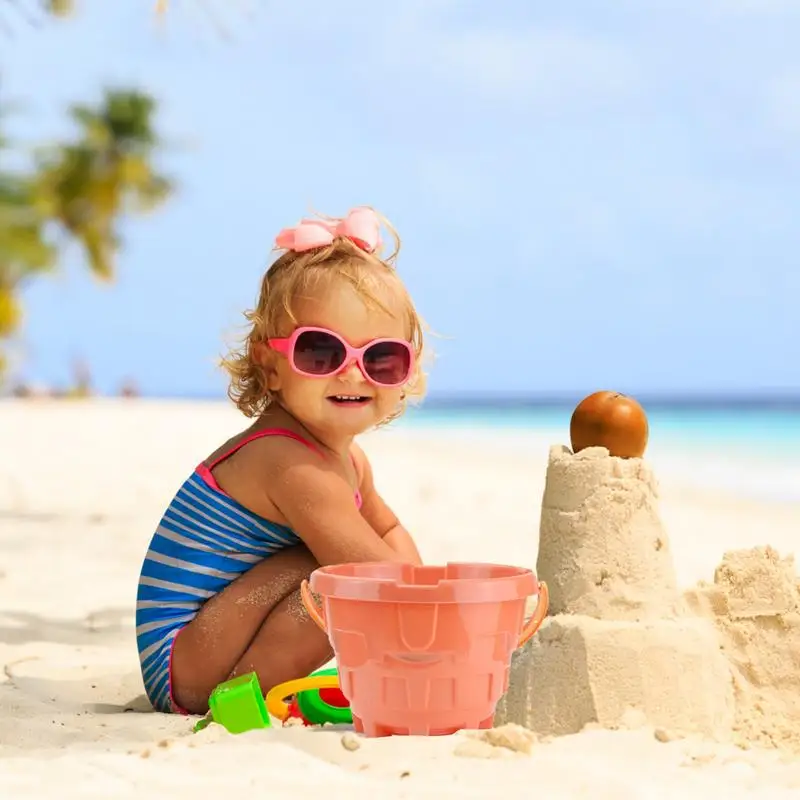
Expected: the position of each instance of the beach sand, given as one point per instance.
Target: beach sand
(81, 487)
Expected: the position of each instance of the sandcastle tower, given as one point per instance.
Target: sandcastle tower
(616, 640)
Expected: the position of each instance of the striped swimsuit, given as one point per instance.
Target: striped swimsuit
(204, 541)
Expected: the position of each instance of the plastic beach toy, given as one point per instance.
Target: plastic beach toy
(424, 650)
(314, 707)
(237, 705)
(327, 704)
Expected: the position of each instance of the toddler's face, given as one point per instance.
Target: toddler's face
(319, 402)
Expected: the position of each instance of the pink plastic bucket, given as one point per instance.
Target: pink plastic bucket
(424, 650)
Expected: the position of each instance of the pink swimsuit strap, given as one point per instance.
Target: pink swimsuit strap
(205, 470)
(260, 435)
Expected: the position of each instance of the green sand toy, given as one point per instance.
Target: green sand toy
(315, 709)
(238, 705)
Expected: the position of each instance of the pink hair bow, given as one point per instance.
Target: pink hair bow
(361, 226)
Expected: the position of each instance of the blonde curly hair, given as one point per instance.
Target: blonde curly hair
(300, 274)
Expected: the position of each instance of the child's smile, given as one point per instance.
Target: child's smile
(350, 400)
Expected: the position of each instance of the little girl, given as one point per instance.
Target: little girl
(333, 350)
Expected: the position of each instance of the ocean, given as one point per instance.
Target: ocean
(750, 448)
(770, 429)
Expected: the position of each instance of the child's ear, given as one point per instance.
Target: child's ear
(273, 379)
(260, 352)
(264, 356)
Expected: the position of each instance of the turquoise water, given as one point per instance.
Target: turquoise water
(749, 452)
(768, 431)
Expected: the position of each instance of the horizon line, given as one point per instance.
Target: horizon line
(773, 399)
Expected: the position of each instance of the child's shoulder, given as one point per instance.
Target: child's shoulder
(264, 446)
(277, 442)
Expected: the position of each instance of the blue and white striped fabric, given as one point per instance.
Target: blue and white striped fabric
(204, 541)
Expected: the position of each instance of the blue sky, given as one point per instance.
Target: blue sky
(589, 194)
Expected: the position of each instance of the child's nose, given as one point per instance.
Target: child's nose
(352, 371)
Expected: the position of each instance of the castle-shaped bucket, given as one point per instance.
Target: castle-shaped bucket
(423, 650)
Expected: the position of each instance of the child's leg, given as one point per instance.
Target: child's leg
(257, 623)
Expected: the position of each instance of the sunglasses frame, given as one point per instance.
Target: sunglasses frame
(286, 347)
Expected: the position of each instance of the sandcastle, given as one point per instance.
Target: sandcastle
(754, 603)
(620, 638)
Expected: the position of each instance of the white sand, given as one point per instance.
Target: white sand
(81, 487)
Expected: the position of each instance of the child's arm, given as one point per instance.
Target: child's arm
(319, 506)
(382, 519)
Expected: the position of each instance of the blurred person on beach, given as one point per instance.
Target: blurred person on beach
(333, 350)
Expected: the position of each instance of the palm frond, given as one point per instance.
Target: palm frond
(81, 187)
(24, 249)
(87, 185)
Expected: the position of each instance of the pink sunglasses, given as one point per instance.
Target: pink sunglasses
(320, 353)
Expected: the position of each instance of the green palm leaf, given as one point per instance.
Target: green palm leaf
(83, 188)
(88, 185)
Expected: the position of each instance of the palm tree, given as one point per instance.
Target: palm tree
(80, 189)
(86, 186)
(24, 250)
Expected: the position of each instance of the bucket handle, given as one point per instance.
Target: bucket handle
(537, 618)
(314, 611)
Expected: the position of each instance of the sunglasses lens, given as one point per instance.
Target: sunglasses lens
(387, 363)
(318, 353)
